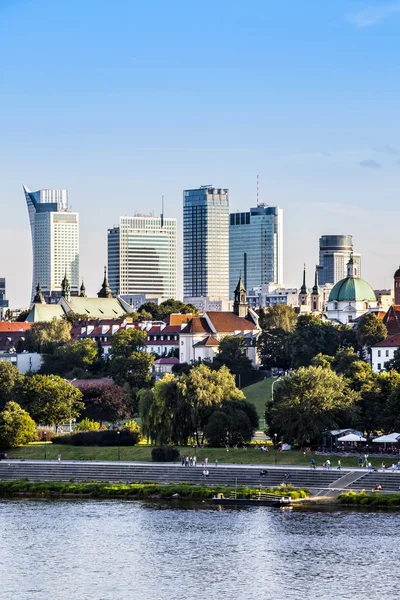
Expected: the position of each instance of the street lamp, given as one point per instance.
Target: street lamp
(276, 456)
(45, 445)
(119, 449)
(272, 388)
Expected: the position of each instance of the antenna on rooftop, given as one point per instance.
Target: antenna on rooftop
(162, 212)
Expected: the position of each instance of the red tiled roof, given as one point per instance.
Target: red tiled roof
(178, 319)
(6, 326)
(166, 361)
(392, 320)
(393, 341)
(227, 322)
(197, 325)
(210, 340)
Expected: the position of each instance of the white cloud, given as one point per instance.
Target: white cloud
(373, 14)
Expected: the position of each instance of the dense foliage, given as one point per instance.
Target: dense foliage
(165, 454)
(127, 436)
(16, 426)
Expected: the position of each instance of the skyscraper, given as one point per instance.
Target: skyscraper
(142, 256)
(256, 247)
(55, 241)
(3, 299)
(206, 243)
(334, 254)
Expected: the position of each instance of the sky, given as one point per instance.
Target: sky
(122, 102)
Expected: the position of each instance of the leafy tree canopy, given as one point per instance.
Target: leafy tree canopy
(16, 426)
(232, 353)
(77, 355)
(47, 336)
(273, 346)
(279, 316)
(370, 330)
(10, 379)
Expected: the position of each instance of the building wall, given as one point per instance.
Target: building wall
(206, 243)
(147, 256)
(380, 356)
(256, 247)
(25, 362)
(334, 254)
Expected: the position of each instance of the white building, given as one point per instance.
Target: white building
(351, 297)
(55, 241)
(271, 294)
(142, 257)
(384, 351)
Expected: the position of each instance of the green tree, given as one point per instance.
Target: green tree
(45, 337)
(205, 390)
(322, 360)
(160, 311)
(273, 346)
(16, 426)
(50, 399)
(126, 341)
(81, 354)
(279, 316)
(311, 337)
(343, 360)
(22, 316)
(104, 400)
(10, 379)
(370, 330)
(232, 353)
(308, 402)
(234, 423)
(87, 425)
(394, 363)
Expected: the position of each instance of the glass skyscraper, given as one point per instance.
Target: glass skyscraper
(334, 254)
(142, 256)
(206, 243)
(256, 247)
(55, 241)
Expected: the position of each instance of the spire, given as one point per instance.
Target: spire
(105, 291)
(38, 298)
(240, 307)
(65, 287)
(352, 268)
(303, 289)
(315, 289)
(82, 290)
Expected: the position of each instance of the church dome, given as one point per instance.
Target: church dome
(397, 274)
(352, 289)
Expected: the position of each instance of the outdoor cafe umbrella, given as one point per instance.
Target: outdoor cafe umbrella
(391, 438)
(352, 437)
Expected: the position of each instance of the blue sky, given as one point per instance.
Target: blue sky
(123, 101)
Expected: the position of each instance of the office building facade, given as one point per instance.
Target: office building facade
(256, 247)
(334, 254)
(55, 242)
(142, 257)
(206, 243)
(3, 298)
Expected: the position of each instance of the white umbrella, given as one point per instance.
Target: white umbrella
(391, 438)
(351, 437)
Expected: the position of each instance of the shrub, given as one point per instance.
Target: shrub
(109, 437)
(50, 433)
(16, 426)
(87, 425)
(165, 454)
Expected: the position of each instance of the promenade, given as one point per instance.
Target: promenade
(319, 481)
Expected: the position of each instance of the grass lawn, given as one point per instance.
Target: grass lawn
(143, 453)
(258, 394)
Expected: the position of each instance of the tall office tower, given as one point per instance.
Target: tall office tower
(3, 300)
(206, 243)
(334, 254)
(55, 241)
(142, 256)
(256, 247)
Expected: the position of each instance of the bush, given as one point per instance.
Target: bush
(87, 425)
(165, 454)
(110, 437)
(50, 433)
(16, 426)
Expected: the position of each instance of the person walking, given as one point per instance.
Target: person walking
(328, 464)
(312, 463)
(339, 465)
(216, 462)
(194, 460)
(206, 460)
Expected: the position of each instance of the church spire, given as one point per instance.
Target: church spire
(303, 289)
(82, 290)
(66, 287)
(105, 291)
(315, 289)
(240, 307)
(38, 298)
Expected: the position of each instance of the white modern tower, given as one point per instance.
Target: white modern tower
(142, 256)
(55, 241)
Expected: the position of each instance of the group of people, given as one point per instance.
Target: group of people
(189, 461)
(326, 465)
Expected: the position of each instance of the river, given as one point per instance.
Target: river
(106, 550)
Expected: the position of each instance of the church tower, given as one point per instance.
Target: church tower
(240, 307)
(303, 296)
(315, 295)
(38, 297)
(397, 287)
(82, 291)
(66, 288)
(105, 291)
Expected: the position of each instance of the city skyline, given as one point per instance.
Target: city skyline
(130, 117)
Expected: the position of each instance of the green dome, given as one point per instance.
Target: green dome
(352, 289)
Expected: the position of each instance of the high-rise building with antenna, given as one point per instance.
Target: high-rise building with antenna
(55, 242)
(142, 256)
(256, 246)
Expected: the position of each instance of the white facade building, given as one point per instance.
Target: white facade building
(55, 241)
(384, 351)
(142, 257)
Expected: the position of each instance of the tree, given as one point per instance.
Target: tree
(22, 315)
(78, 355)
(370, 330)
(395, 362)
(311, 337)
(273, 346)
(50, 399)
(279, 316)
(45, 337)
(232, 353)
(10, 379)
(322, 360)
(16, 426)
(308, 402)
(104, 400)
(343, 360)
(135, 370)
(205, 390)
(126, 341)
(234, 423)
(159, 312)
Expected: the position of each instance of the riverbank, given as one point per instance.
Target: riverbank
(376, 499)
(142, 453)
(23, 487)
